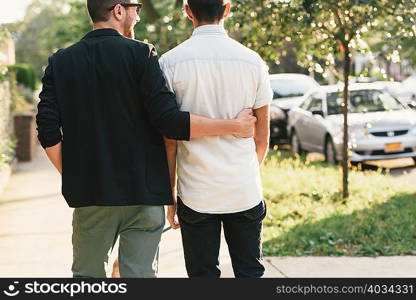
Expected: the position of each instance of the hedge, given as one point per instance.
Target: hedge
(25, 74)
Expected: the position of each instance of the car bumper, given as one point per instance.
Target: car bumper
(374, 148)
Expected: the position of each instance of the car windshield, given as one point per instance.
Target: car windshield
(285, 88)
(363, 101)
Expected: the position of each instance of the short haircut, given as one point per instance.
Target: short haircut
(208, 10)
(98, 9)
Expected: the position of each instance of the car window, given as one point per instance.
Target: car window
(305, 103)
(315, 104)
(363, 101)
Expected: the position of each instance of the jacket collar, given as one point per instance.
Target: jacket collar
(101, 32)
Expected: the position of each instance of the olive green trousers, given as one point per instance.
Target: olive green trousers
(96, 229)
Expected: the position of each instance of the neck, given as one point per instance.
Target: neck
(103, 25)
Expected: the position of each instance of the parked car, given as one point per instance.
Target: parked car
(408, 94)
(288, 92)
(405, 92)
(380, 126)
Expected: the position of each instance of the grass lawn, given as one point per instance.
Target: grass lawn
(308, 217)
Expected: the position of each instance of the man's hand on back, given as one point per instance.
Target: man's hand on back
(247, 122)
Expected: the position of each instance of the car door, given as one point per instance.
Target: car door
(314, 126)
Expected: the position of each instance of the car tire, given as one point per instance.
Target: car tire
(414, 160)
(295, 144)
(330, 152)
(357, 164)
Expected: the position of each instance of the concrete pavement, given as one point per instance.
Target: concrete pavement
(35, 238)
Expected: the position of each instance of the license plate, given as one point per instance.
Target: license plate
(394, 147)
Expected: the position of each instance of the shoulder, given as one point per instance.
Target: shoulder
(171, 57)
(144, 49)
(246, 53)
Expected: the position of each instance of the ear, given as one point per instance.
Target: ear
(118, 12)
(189, 12)
(227, 10)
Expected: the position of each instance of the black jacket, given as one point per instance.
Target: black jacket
(106, 99)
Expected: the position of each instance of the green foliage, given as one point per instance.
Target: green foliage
(70, 25)
(168, 31)
(307, 215)
(7, 149)
(32, 43)
(25, 74)
(318, 30)
(22, 100)
(3, 73)
(395, 36)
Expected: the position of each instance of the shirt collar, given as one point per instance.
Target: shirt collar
(102, 32)
(209, 30)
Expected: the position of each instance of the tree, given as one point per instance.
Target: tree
(396, 34)
(323, 31)
(32, 47)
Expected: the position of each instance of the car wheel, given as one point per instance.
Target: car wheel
(414, 160)
(295, 144)
(357, 164)
(330, 152)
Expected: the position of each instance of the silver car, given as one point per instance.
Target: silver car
(288, 90)
(380, 127)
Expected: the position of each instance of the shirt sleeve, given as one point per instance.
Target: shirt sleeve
(167, 72)
(48, 118)
(264, 95)
(160, 102)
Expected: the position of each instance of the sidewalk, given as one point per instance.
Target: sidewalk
(35, 238)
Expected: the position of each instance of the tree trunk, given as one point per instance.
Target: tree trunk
(150, 10)
(345, 148)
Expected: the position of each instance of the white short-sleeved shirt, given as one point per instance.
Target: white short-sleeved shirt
(215, 76)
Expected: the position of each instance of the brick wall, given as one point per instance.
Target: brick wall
(25, 131)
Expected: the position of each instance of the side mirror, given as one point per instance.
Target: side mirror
(318, 112)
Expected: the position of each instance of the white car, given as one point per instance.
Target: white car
(380, 127)
(288, 90)
(402, 91)
(408, 91)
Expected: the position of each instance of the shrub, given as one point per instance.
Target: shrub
(21, 99)
(25, 74)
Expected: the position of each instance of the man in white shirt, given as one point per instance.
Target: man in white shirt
(218, 177)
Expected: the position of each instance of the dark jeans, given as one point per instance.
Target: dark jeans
(201, 235)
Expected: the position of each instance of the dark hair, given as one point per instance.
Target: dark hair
(207, 10)
(98, 9)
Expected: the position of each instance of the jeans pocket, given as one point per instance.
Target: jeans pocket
(257, 212)
(188, 215)
(148, 217)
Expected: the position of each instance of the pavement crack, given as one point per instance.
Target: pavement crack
(276, 268)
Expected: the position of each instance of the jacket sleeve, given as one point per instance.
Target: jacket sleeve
(160, 102)
(48, 118)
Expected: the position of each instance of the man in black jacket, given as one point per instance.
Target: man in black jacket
(103, 113)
